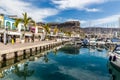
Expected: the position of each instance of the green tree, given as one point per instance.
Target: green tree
(68, 34)
(17, 21)
(56, 30)
(47, 30)
(25, 20)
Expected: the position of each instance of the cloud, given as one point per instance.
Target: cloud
(82, 74)
(72, 19)
(92, 10)
(17, 7)
(110, 21)
(81, 21)
(77, 4)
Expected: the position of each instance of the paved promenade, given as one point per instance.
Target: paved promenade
(19, 46)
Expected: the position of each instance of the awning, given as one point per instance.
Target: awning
(14, 33)
(28, 34)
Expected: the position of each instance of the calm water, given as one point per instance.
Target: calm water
(65, 64)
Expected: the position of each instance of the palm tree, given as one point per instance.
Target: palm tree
(17, 21)
(47, 30)
(25, 20)
(55, 30)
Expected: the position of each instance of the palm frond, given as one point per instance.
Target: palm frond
(17, 21)
(33, 22)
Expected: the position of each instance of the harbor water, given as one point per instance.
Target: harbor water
(66, 63)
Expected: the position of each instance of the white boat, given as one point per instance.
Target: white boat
(114, 56)
(92, 41)
(99, 49)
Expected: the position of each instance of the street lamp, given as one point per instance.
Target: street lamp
(5, 35)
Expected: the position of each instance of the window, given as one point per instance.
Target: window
(8, 25)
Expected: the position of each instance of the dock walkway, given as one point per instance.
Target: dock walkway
(12, 50)
(19, 46)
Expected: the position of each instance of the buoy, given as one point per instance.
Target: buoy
(110, 58)
(114, 58)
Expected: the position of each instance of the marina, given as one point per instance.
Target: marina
(63, 64)
(59, 40)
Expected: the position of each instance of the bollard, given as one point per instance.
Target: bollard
(30, 51)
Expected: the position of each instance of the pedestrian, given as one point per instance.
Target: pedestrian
(12, 40)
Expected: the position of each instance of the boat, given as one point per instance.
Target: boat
(92, 41)
(99, 49)
(114, 56)
(100, 41)
(85, 42)
(114, 71)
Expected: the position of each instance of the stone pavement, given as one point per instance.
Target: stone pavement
(17, 46)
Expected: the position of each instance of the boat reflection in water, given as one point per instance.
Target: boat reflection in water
(114, 71)
(69, 49)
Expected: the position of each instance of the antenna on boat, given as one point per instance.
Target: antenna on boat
(119, 22)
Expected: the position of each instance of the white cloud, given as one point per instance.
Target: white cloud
(78, 4)
(71, 19)
(82, 74)
(81, 21)
(92, 10)
(17, 7)
(110, 21)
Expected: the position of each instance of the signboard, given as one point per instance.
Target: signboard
(32, 29)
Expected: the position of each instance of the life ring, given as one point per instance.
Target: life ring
(110, 58)
(114, 58)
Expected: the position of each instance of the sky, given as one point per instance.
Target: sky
(90, 13)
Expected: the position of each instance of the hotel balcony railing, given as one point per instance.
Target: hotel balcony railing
(14, 30)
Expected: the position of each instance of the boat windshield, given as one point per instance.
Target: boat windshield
(117, 50)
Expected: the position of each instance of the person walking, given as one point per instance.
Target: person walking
(12, 40)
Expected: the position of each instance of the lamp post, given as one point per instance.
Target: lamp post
(5, 35)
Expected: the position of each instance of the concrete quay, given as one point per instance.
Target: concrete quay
(10, 51)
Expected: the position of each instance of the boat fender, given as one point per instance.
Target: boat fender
(114, 58)
(110, 58)
(110, 71)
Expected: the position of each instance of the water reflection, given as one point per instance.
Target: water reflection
(56, 65)
(24, 72)
(21, 70)
(68, 49)
(45, 59)
(114, 71)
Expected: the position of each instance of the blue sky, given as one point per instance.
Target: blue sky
(100, 13)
